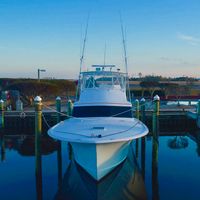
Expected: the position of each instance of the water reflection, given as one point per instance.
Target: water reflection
(155, 182)
(125, 182)
(47, 173)
(178, 142)
(198, 142)
(143, 156)
(38, 176)
(59, 162)
(3, 152)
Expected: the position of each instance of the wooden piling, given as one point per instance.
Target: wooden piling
(58, 108)
(143, 108)
(38, 132)
(156, 108)
(155, 145)
(1, 113)
(137, 109)
(69, 107)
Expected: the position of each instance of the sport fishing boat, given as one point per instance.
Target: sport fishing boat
(102, 126)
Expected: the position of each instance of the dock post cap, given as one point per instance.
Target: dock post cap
(156, 98)
(38, 99)
(1, 101)
(58, 98)
(143, 100)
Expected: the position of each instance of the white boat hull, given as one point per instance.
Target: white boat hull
(100, 159)
(99, 144)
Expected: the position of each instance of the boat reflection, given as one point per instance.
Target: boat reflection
(125, 182)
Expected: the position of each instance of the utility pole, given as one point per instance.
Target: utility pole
(40, 70)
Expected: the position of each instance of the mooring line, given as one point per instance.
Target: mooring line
(45, 121)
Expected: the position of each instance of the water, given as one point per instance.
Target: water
(167, 169)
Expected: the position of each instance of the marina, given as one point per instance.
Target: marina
(99, 100)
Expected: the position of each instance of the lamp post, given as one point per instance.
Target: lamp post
(40, 70)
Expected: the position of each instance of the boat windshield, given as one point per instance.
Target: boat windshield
(102, 111)
(102, 79)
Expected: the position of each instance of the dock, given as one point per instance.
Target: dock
(171, 119)
(23, 121)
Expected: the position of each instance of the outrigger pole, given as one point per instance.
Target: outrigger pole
(125, 57)
(82, 56)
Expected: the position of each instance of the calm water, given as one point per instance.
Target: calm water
(163, 169)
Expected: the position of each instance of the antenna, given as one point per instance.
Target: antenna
(125, 56)
(84, 42)
(82, 55)
(104, 56)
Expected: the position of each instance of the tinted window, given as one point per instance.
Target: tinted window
(101, 111)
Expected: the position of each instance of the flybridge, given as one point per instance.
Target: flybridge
(103, 66)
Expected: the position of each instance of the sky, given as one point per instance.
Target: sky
(162, 36)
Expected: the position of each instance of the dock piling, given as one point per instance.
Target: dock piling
(1, 113)
(58, 108)
(143, 108)
(69, 107)
(38, 131)
(156, 108)
(137, 109)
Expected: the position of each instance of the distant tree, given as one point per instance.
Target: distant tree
(152, 78)
(140, 75)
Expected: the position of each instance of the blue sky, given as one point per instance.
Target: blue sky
(163, 36)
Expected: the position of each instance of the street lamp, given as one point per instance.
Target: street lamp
(40, 70)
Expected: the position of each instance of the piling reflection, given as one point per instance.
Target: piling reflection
(38, 175)
(125, 182)
(59, 162)
(143, 157)
(198, 142)
(136, 147)
(3, 151)
(155, 182)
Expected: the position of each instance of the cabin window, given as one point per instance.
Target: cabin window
(102, 111)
